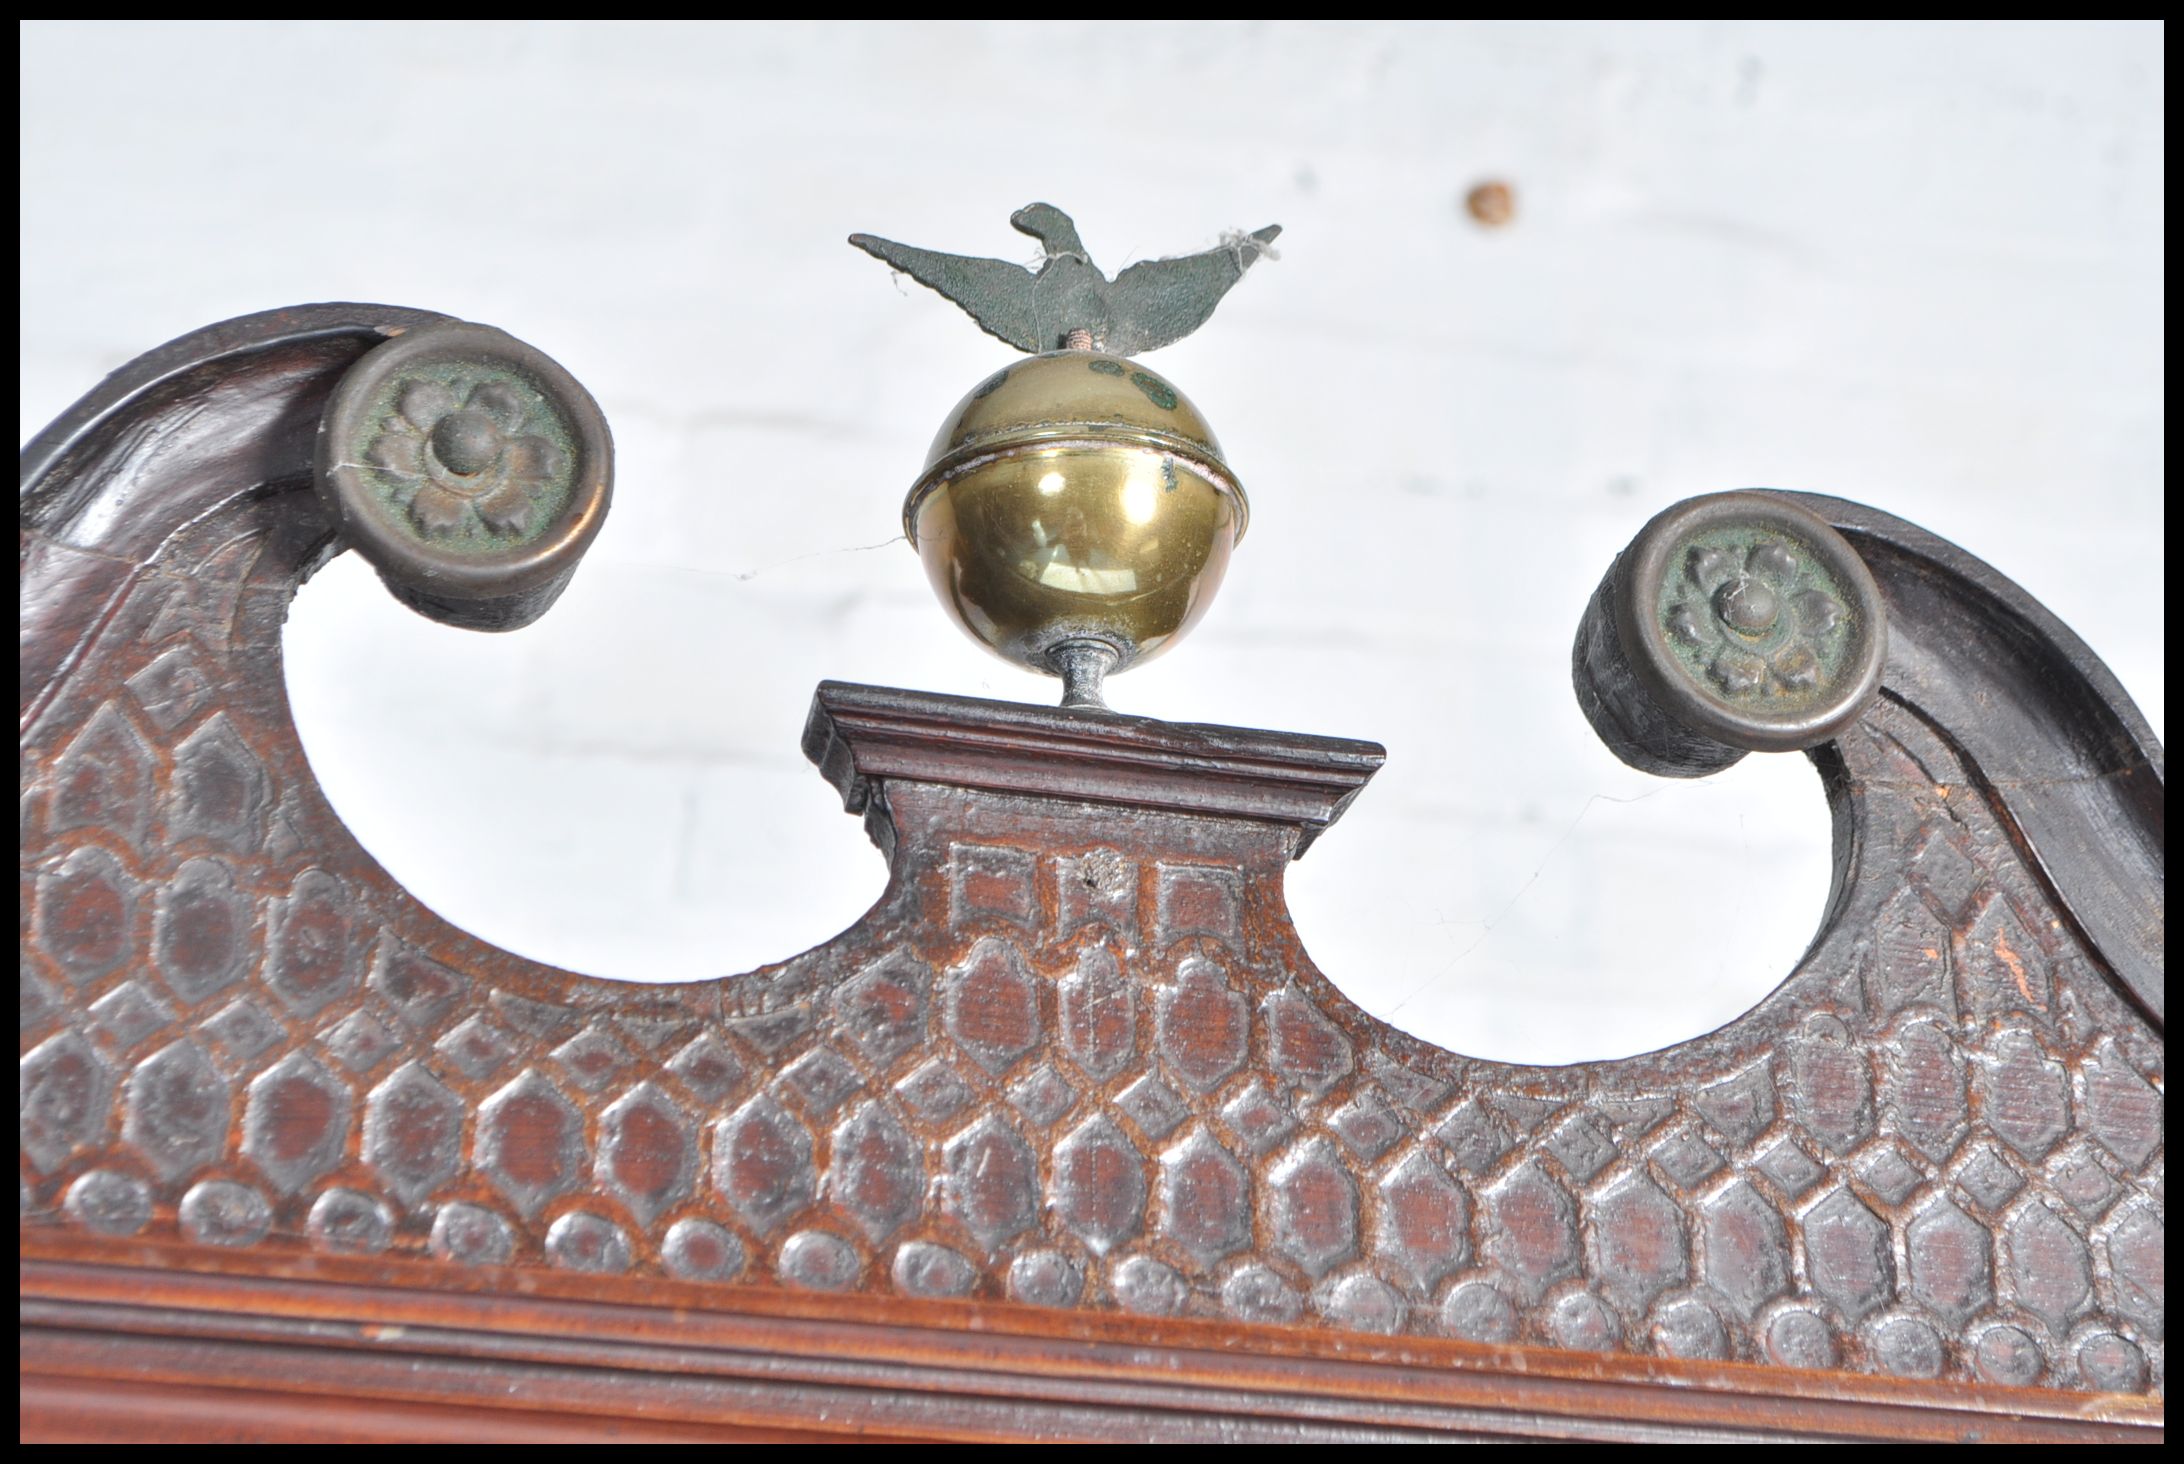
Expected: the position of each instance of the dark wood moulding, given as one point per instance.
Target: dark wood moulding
(1067, 1137)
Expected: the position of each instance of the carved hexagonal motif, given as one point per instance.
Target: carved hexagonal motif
(1202, 1027)
(1635, 1238)
(882, 1007)
(63, 1093)
(84, 914)
(1947, 1254)
(1744, 1253)
(1312, 1204)
(2001, 966)
(646, 1153)
(992, 1180)
(1098, 1013)
(877, 1171)
(530, 1142)
(762, 1163)
(1424, 1223)
(1848, 1254)
(2137, 1246)
(311, 953)
(2120, 1108)
(1205, 1197)
(296, 1122)
(2025, 1093)
(1303, 1046)
(219, 791)
(1532, 1228)
(991, 1005)
(103, 778)
(2047, 1263)
(1099, 1184)
(1831, 1089)
(413, 1129)
(1911, 961)
(177, 1106)
(203, 933)
(1925, 1088)
(1706, 1224)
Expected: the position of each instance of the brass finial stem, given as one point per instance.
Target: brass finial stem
(1083, 666)
(1079, 339)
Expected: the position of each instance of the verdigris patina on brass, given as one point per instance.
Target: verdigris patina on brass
(1153, 303)
(1734, 623)
(470, 469)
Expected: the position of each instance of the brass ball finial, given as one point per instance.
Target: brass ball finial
(1075, 514)
(1075, 501)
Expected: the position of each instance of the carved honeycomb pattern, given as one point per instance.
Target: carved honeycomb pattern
(1103, 1074)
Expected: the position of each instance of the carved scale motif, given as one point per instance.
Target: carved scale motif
(1075, 1057)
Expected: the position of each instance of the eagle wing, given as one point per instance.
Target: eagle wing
(993, 292)
(1159, 301)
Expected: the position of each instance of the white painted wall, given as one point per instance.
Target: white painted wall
(1915, 265)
